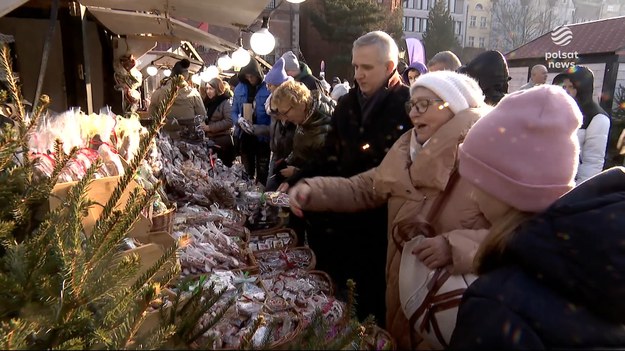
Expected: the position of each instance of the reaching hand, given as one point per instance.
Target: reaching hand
(287, 171)
(434, 252)
(246, 126)
(283, 187)
(299, 196)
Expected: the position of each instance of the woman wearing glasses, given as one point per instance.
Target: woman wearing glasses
(442, 107)
(311, 112)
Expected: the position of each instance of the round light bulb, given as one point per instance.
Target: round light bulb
(224, 62)
(196, 79)
(262, 42)
(152, 71)
(241, 57)
(167, 72)
(209, 73)
(212, 71)
(295, 1)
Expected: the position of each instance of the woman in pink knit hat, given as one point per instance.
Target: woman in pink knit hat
(414, 174)
(522, 158)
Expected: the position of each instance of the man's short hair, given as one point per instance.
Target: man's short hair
(387, 46)
(446, 58)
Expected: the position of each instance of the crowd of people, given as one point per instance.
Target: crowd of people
(468, 216)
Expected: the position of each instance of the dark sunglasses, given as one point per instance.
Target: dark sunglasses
(421, 105)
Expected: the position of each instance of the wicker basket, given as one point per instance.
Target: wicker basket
(326, 277)
(272, 234)
(311, 265)
(164, 222)
(252, 267)
(284, 342)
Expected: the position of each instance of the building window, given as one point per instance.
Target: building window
(471, 42)
(405, 4)
(409, 24)
(482, 22)
(479, 7)
(472, 22)
(424, 24)
(482, 43)
(451, 5)
(425, 4)
(457, 27)
(271, 5)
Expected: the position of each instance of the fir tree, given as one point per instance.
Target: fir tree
(340, 22)
(439, 34)
(61, 289)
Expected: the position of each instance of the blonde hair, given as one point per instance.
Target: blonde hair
(495, 242)
(293, 93)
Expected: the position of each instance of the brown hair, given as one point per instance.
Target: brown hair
(292, 92)
(219, 85)
(500, 233)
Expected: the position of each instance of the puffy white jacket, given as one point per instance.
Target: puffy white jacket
(593, 142)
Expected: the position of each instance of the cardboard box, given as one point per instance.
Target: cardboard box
(100, 191)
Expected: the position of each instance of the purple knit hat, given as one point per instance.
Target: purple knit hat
(276, 74)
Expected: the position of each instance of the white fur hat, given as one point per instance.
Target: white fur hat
(458, 90)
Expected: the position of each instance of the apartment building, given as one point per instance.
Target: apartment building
(416, 17)
(479, 21)
(590, 10)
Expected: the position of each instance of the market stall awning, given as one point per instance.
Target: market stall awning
(167, 59)
(228, 13)
(7, 6)
(158, 27)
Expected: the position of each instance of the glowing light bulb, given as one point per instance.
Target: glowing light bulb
(152, 71)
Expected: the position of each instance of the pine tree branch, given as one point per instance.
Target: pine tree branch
(120, 229)
(130, 294)
(14, 91)
(102, 225)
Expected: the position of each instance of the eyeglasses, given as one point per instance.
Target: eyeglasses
(421, 105)
(283, 114)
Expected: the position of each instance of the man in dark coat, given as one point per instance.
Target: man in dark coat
(559, 282)
(366, 123)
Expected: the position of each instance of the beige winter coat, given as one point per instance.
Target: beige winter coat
(186, 106)
(410, 189)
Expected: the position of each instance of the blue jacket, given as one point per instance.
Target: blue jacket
(241, 97)
(560, 281)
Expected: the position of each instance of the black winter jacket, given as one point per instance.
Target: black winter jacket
(560, 283)
(361, 138)
(309, 140)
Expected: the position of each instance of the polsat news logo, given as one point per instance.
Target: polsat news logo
(561, 36)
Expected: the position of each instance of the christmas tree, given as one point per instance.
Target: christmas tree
(439, 34)
(340, 22)
(61, 288)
